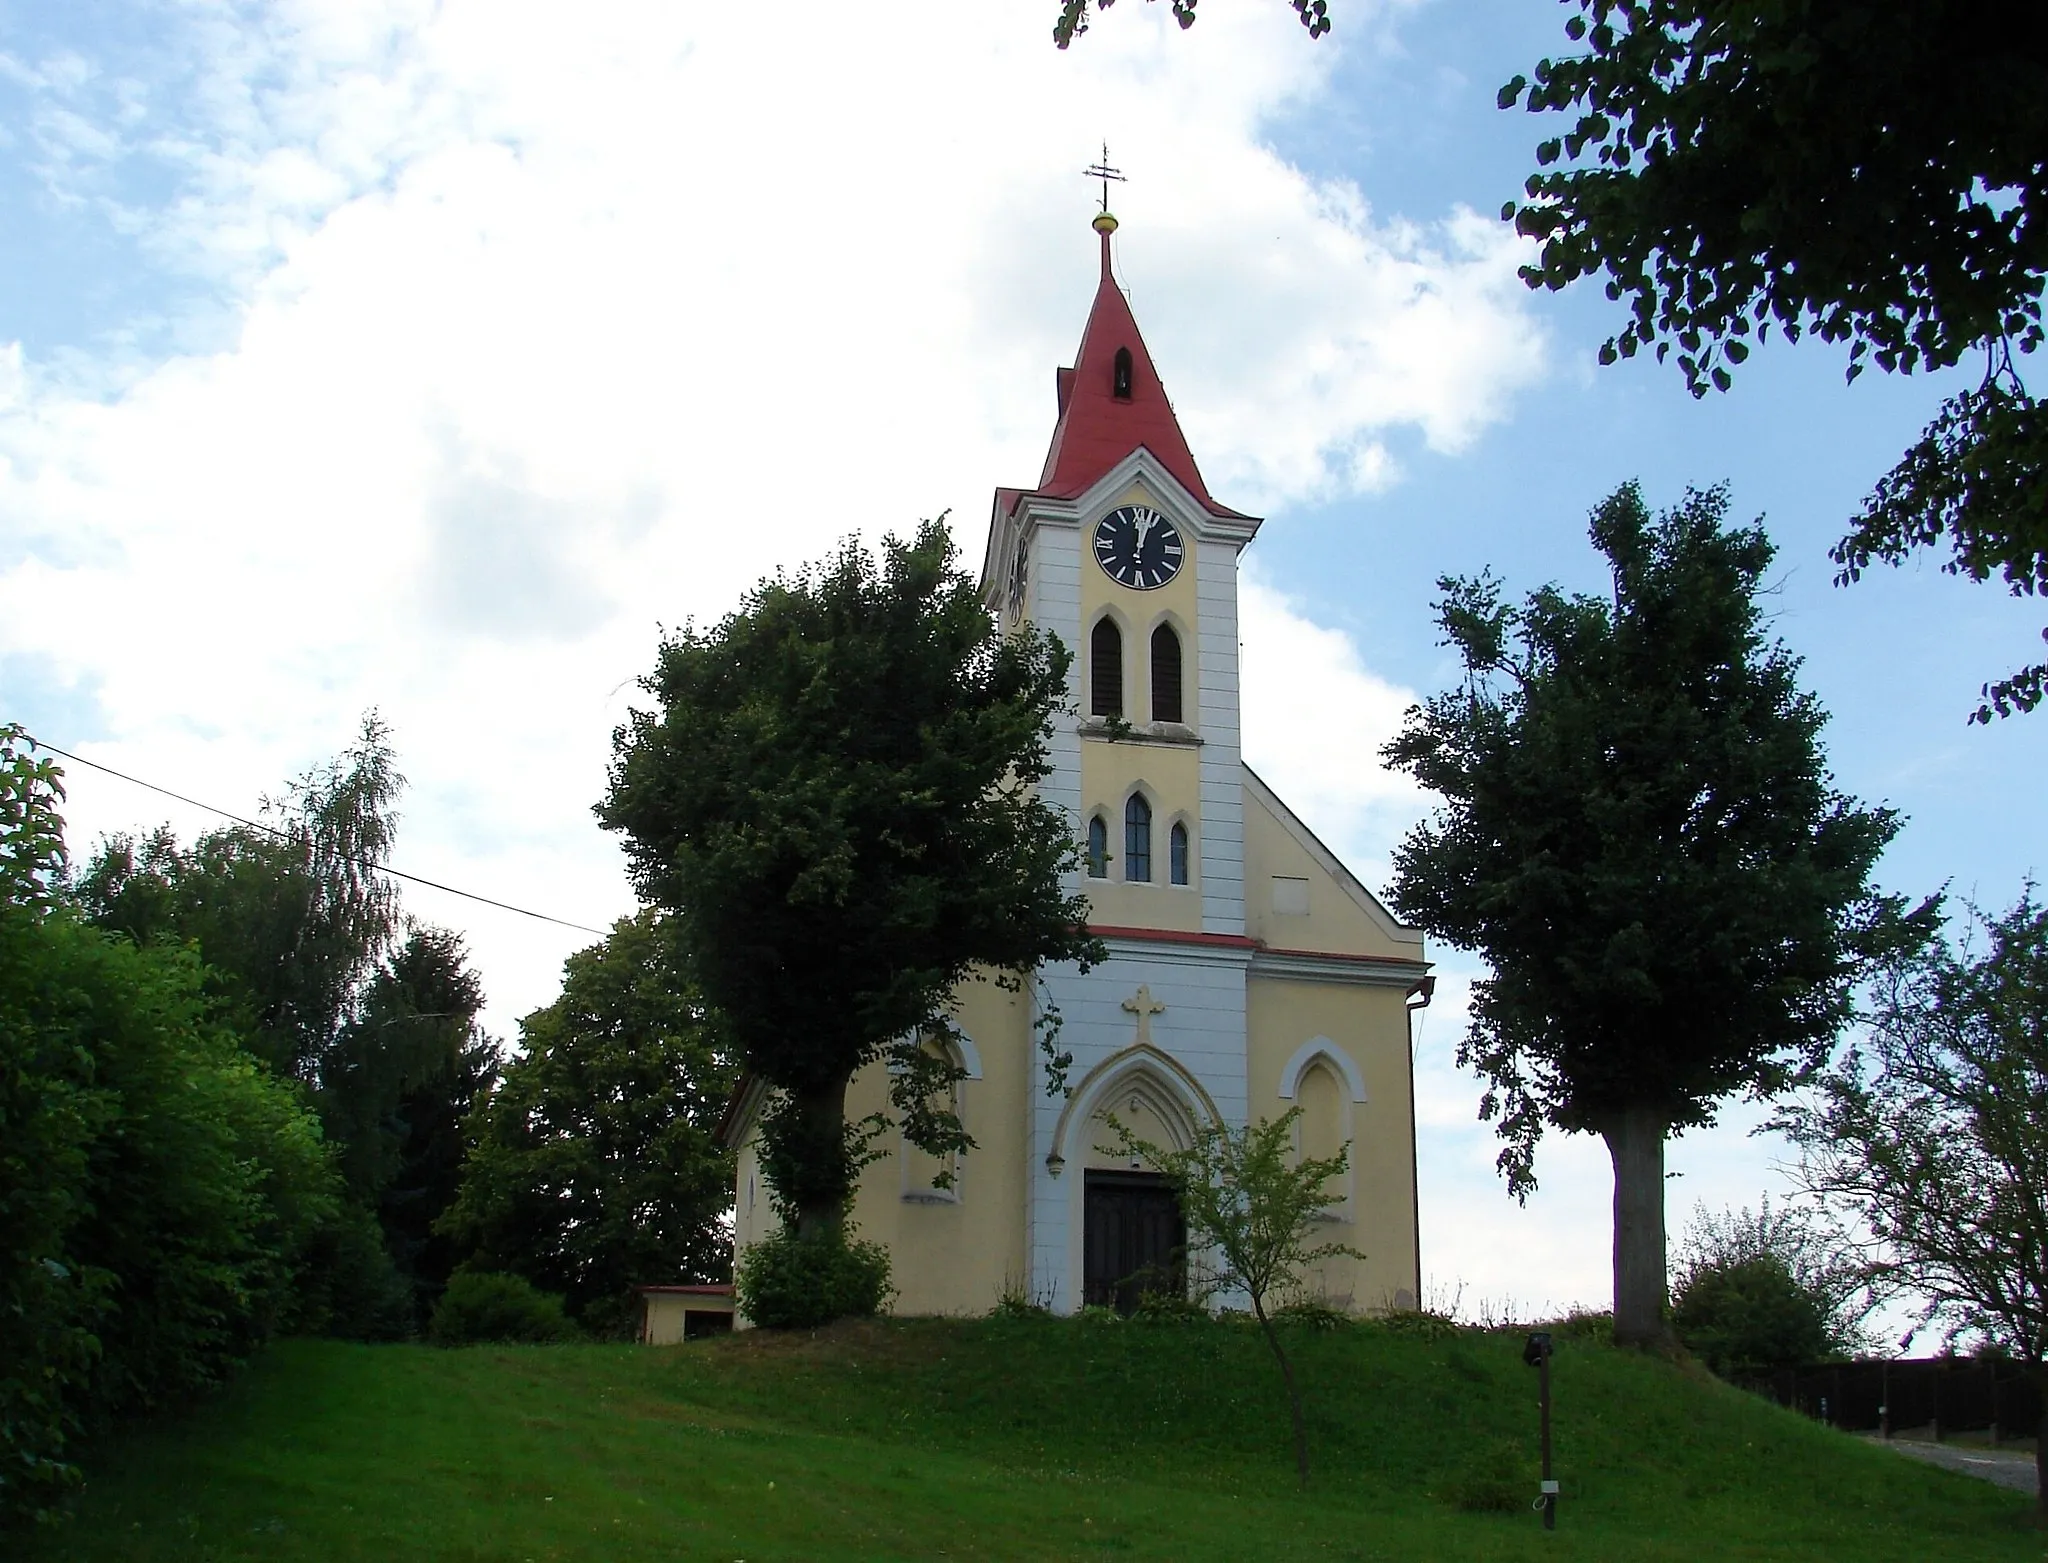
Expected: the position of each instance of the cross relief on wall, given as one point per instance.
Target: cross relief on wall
(1144, 1006)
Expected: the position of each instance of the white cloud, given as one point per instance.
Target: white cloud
(540, 334)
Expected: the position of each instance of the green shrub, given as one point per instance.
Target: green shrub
(158, 1192)
(480, 1306)
(1312, 1313)
(790, 1283)
(1169, 1308)
(1417, 1324)
(1749, 1316)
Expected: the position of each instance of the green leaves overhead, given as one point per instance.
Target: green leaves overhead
(1875, 174)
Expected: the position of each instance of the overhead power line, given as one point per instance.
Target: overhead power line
(255, 824)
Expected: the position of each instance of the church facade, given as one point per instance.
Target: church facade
(1249, 973)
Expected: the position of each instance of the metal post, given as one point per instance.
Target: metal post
(1884, 1395)
(1537, 1355)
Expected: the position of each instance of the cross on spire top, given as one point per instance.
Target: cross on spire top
(1105, 173)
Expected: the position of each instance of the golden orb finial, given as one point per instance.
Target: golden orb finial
(1104, 222)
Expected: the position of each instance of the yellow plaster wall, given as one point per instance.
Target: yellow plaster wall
(1170, 775)
(1335, 925)
(949, 1253)
(1370, 1026)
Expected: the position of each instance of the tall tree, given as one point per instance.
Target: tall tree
(1930, 1134)
(1638, 832)
(396, 1090)
(835, 797)
(291, 914)
(593, 1165)
(1871, 173)
(313, 965)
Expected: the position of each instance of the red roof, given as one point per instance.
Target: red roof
(1098, 427)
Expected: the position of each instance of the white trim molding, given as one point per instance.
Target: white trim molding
(1308, 1053)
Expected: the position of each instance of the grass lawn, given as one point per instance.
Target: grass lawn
(1000, 1439)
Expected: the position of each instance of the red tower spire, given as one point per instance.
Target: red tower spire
(1111, 401)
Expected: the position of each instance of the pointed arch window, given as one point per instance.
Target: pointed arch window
(1138, 840)
(1106, 669)
(1177, 854)
(1166, 675)
(1120, 386)
(1098, 847)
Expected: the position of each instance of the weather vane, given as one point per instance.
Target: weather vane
(1105, 173)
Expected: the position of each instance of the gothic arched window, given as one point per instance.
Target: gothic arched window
(1177, 854)
(1121, 387)
(1106, 669)
(1098, 847)
(1166, 703)
(1138, 840)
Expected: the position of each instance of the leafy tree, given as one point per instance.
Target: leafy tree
(158, 1189)
(292, 916)
(1638, 832)
(1754, 1289)
(1874, 173)
(311, 961)
(835, 798)
(394, 1094)
(32, 856)
(1254, 1206)
(1930, 1133)
(592, 1165)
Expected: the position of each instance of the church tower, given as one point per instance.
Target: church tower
(1249, 972)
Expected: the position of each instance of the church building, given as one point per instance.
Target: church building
(1249, 971)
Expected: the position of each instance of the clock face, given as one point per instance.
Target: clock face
(1138, 547)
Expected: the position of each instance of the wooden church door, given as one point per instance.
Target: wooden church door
(1134, 1240)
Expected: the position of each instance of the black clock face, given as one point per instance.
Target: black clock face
(1138, 547)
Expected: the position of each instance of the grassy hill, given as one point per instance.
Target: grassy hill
(1000, 1438)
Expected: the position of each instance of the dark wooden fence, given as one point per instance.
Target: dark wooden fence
(1924, 1396)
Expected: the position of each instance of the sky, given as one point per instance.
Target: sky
(431, 355)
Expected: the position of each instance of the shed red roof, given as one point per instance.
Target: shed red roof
(1098, 427)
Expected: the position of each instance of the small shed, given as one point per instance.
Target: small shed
(678, 1313)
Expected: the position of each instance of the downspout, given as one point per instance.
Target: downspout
(1417, 999)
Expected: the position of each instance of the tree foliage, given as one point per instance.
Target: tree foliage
(1638, 832)
(291, 913)
(835, 799)
(1254, 1209)
(1073, 17)
(1753, 1290)
(592, 1166)
(1875, 174)
(159, 1190)
(1930, 1133)
(309, 958)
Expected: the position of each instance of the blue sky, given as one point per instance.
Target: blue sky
(429, 356)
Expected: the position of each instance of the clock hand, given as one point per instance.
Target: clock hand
(1145, 524)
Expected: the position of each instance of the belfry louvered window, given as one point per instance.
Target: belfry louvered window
(1120, 387)
(1106, 669)
(1166, 703)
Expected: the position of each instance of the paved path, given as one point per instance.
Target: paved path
(2007, 1469)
